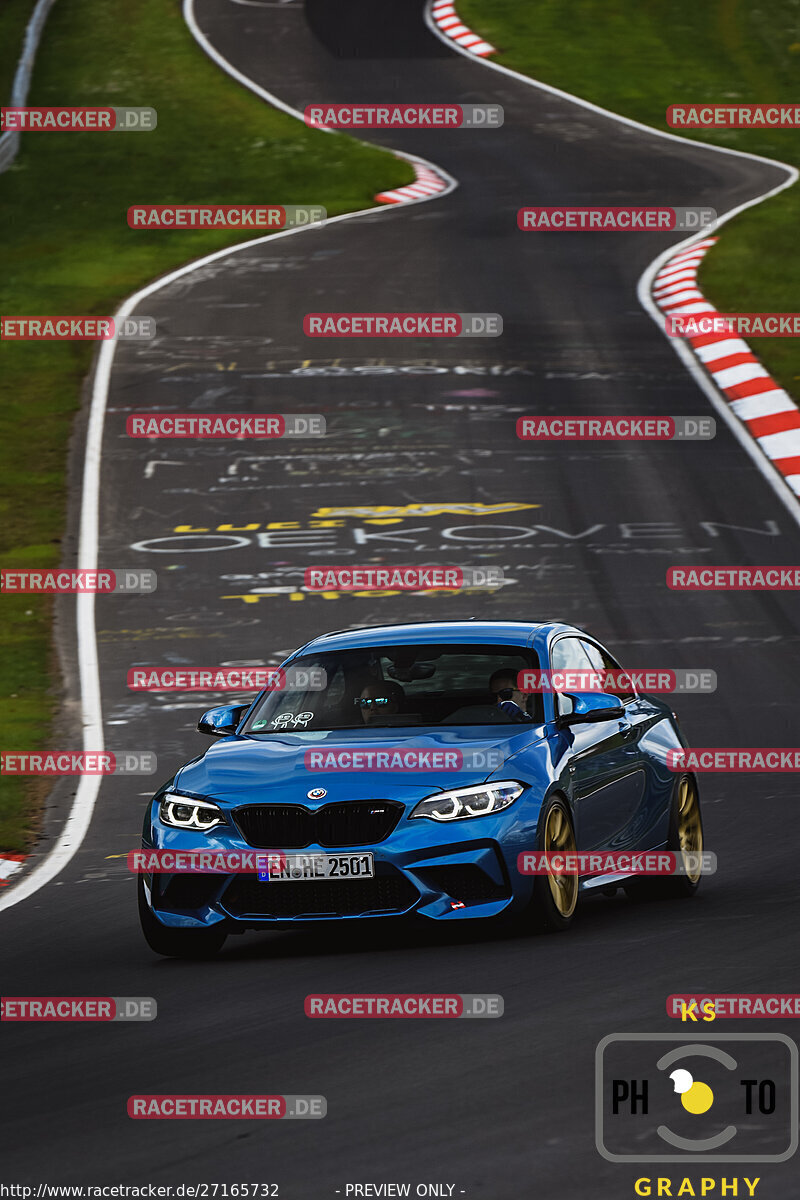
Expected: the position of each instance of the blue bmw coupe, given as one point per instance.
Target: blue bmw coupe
(411, 781)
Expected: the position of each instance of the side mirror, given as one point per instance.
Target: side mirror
(591, 706)
(221, 722)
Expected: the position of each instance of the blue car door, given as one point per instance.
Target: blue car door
(607, 774)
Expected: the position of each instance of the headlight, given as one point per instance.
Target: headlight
(470, 802)
(185, 813)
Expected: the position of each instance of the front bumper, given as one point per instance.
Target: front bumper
(462, 871)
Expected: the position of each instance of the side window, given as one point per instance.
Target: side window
(568, 654)
(601, 660)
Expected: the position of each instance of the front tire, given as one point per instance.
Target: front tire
(177, 943)
(555, 897)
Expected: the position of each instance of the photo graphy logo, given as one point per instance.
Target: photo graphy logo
(704, 1097)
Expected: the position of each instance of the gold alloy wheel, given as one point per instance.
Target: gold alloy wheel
(558, 836)
(690, 829)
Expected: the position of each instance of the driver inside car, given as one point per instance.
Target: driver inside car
(379, 700)
(510, 700)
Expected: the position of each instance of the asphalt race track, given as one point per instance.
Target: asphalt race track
(499, 1108)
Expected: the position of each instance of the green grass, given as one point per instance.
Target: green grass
(67, 248)
(636, 57)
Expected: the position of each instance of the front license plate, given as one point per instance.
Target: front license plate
(297, 867)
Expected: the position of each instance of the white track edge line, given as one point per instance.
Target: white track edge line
(704, 381)
(83, 805)
(79, 819)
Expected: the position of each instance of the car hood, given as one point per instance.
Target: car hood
(251, 768)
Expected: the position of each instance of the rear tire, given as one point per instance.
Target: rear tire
(177, 943)
(685, 836)
(555, 897)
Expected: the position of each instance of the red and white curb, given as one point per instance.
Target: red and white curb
(427, 183)
(769, 414)
(9, 863)
(449, 23)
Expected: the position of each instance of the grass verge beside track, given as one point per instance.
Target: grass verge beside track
(68, 250)
(635, 57)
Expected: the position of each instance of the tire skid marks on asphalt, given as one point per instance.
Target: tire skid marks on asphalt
(450, 24)
(79, 818)
(80, 815)
(687, 354)
(769, 413)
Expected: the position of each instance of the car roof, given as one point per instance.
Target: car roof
(475, 632)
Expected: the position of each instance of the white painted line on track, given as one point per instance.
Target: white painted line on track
(682, 253)
(79, 819)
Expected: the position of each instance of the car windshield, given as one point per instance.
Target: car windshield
(400, 686)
